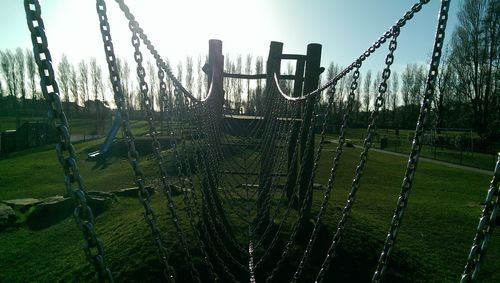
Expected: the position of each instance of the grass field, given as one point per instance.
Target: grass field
(433, 244)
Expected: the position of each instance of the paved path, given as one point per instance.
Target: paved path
(430, 160)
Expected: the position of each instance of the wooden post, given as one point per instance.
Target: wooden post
(311, 82)
(297, 91)
(266, 166)
(216, 69)
(215, 103)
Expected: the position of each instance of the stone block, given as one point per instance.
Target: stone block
(22, 205)
(7, 216)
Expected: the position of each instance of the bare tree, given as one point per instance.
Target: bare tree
(96, 78)
(21, 76)
(153, 83)
(199, 78)
(357, 103)
(394, 95)
(8, 67)
(407, 82)
(178, 95)
(189, 73)
(126, 83)
(366, 90)
(259, 67)
(97, 88)
(475, 58)
(64, 73)
(32, 73)
(444, 88)
(1, 95)
(250, 101)
(1, 91)
(8, 63)
(83, 81)
(331, 71)
(418, 84)
(73, 85)
(229, 83)
(238, 85)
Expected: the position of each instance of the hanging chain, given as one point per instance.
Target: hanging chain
(484, 229)
(308, 194)
(152, 50)
(416, 144)
(133, 155)
(188, 183)
(333, 170)
(214, 220)
(379, 102)
(148, 105)
(84, 217)
(387, 35)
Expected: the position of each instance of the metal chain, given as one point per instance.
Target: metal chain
(286, 131)
(333, 170)
(155, 54)
(186, 199)
(148, 105)
(133, 155)
(66, 155)
(295, 188)
(416, 144)
(190, 185)
(379, 102)
(484, 228)
(291, 169)
(208, 197)
(387, 35)
(266, 149)
(298, 223)
(212, 156)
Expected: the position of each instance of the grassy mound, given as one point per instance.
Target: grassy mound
(433, 244)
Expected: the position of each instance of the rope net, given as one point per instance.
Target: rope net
(246, 181)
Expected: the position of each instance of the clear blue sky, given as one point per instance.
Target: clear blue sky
(180, 28)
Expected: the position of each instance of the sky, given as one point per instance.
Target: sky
(183, 27)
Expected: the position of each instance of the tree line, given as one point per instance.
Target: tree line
(466, 95)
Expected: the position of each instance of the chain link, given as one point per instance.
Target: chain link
(307, 196)
(333, 170)
(291, 169)
(133, 155)
(155, 54)
(379, 42)
(484, 228)
(416, 144)
(187, 178)
(379, 102)
(146, 101)
(66, 155)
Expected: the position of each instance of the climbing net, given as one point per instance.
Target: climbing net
(256, 180)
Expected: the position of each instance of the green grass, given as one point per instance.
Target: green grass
(402, 144)
(441, 216)
(37, 172)
(433, 243)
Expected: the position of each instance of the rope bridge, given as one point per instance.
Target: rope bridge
(259, 169)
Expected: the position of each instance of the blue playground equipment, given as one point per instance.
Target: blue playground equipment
(109, 138)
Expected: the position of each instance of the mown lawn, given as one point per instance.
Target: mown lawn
(433, 244)
(402, 143)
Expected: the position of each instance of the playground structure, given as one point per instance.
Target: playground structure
(283, 141)
(109, 138)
